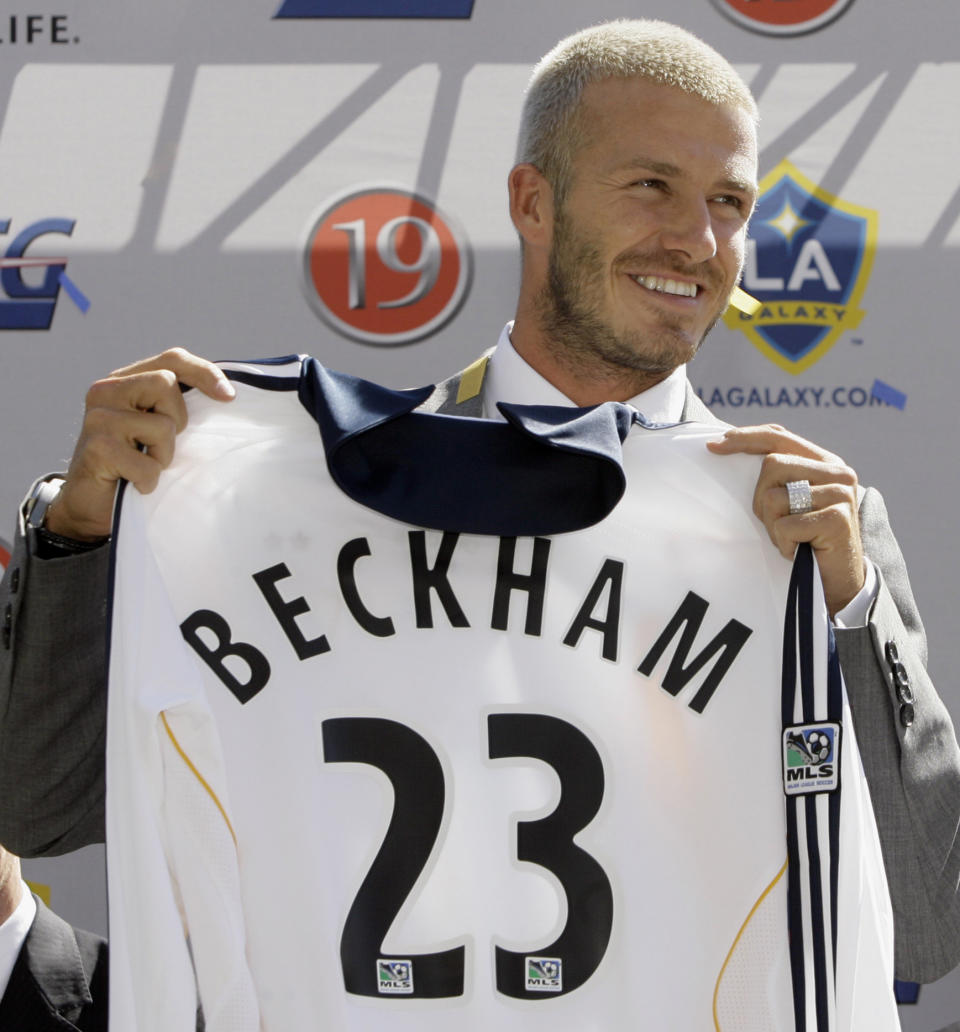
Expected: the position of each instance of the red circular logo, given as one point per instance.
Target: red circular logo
(4, 554)
(384, 266)
(783, 17)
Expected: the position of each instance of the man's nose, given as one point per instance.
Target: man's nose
(689, 230)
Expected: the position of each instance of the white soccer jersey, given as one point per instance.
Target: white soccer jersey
(513, 772)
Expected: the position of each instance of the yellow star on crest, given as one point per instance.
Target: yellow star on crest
(788, 222)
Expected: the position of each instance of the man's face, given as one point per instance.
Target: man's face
(649, 241)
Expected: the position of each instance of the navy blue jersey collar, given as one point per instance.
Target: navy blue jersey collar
(547, 470)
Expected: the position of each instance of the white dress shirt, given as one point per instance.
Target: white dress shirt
(510, 378)
(13, 933)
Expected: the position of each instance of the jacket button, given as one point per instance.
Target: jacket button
(14, 581)
(901, 681)
(893, 653)
(906, 714)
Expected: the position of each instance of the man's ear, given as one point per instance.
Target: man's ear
(531, 205)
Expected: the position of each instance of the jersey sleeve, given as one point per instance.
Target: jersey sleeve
(170, 894)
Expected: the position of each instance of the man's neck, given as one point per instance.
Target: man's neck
(11, 885)
(583, 382)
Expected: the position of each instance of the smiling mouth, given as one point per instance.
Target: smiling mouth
(667, 286)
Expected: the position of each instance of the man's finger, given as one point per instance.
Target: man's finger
(762, 440)
(779, 470)
(146, 391)
(189, 369)
(773, 503)
(114, 438)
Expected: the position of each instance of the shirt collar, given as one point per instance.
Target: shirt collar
(13, 934)
(510, 378)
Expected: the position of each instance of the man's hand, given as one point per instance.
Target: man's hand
(832, 528)
(140, 404)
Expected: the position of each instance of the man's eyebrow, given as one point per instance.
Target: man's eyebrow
(662, 168)
(742, 185)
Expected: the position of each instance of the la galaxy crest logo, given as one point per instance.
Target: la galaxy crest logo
(394, 977)
(811, 758)
(808, 261)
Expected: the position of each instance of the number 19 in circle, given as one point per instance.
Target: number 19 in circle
(383, 265)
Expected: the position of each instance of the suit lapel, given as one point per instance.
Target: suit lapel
(460, 395)
(48, 988)
(694, 409)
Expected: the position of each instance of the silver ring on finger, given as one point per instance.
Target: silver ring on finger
(799, 496)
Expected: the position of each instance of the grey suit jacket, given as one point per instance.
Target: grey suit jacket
(52, 718)
(59, 981)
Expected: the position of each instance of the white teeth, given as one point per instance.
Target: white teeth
(667, 286)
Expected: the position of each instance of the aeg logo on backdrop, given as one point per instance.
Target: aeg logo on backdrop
(808, 261)
(375, 9)
(32, 283)
(782, 17)
(384, 266)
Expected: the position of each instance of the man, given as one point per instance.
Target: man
(636, 180)
(52, 977)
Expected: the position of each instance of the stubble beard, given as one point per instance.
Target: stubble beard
(581, 339)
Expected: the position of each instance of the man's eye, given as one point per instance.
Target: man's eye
(656, 184)
(732, 200)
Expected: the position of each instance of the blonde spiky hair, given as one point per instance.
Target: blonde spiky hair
(550, 132)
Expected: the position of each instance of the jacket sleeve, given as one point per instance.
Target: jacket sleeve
(52, 699)
(911, 759)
